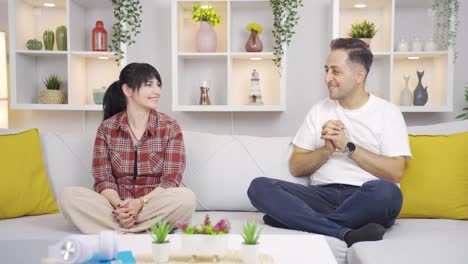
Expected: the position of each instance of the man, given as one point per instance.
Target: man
(354, 144)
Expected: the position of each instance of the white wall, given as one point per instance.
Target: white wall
(305, 85)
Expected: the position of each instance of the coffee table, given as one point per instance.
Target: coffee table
(295, 249)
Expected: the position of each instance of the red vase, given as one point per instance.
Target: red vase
(254, 43)
(99, 37)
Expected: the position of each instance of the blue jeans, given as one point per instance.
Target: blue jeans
(332, 209)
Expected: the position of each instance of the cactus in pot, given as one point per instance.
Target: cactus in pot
(61, 36)
(34, 44)
(48, 39)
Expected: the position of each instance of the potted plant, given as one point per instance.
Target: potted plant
(250, 234)
(205, 239)
(364, 31)
(285, 18)
(254, 43)
(127, 16)
(160, 245)
(206, 36)
(52, 93)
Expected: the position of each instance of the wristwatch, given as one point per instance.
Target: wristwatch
(350, 148)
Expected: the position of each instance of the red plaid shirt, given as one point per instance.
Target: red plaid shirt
(160, 156)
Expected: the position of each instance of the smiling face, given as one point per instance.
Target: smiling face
(343, 77)
(147, 96)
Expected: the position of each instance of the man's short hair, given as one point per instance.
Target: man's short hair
(358, 51)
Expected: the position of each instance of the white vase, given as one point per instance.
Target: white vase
(250, 253)
(416, 45)
(161, 252)
(204, 244)
(430, 45)
(406, 97)
(402, 45)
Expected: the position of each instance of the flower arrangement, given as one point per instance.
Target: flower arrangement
(250, 233)
(205, 13)
(220, 228)
(159, 232)
(365, 29)
(254, 26)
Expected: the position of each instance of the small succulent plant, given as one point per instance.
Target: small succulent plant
(159, 232)
(250, 233)
(53, 82)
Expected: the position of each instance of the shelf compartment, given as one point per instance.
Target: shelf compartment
(89, 72)
(31, 19)
(195, 70)
(83, 20)
(35, 68)
(435, 78)
(187, 28)
(406, 12)
(245, 13)
(241, 69)
(379, 12)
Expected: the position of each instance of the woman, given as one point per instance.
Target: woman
(138, 161)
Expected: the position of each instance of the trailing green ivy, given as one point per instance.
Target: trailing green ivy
(445, 13)
(127, 25)
(285, 16)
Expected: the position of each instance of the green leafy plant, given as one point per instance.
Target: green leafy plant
(254, 26)
(220, 228)
(127, 25)
(53, 82)
(365, 29)
(250, 233)
(446, 23)
(159, 232)
(464, 116)
(205, 13)
(285, 18)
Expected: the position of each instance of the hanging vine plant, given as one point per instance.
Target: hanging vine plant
(285, 18)
(127, 25)
(446, 23)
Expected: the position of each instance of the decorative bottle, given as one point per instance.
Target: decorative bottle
(255, 94)
(420, 93)
(406, 97)
(204, 97)
(99, 37)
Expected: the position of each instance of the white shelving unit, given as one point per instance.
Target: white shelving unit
(229, 68)
(394, 19)
(81, 69)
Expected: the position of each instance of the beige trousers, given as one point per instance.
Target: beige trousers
(92, 212)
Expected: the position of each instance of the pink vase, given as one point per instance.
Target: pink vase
(254, 43)
(206, 38)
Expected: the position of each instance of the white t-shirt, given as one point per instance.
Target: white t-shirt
(378, 126)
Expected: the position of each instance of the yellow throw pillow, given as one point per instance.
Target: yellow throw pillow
(25, 189)
(435, 182)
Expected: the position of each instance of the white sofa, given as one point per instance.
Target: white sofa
(219, 170)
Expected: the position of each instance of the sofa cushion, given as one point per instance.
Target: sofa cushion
(408, 241)
(26, 190)
(221, 167)
(435, 183)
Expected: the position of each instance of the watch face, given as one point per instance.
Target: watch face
(350, 147)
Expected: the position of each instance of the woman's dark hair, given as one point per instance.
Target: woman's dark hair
(358, 51)
(134, 75)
